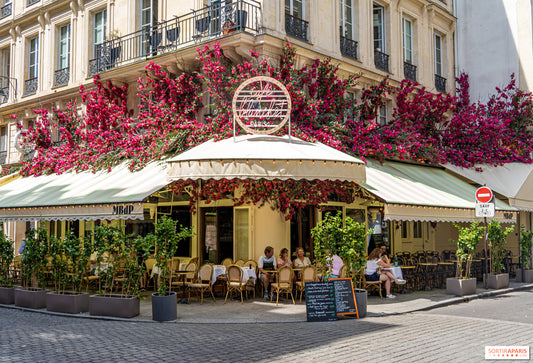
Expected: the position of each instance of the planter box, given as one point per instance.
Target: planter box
(361, 297)
(164, 308)
(460, 287)
(499, 281)
(7, 295)
(119, 306)
(528, 275)
(32, 298)
(69, 302)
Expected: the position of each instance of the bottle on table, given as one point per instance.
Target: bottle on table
(396, 260)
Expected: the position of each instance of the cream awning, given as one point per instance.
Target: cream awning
(265, 157)
(118, 194)
(425, 193)
(512, 180)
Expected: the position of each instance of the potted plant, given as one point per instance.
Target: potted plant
(69, 260)
(525, 274)
(7, 292)
(469, 238)
(32, 293)
(496, 237)
(347, 239)
(164, 243)
(116, 265)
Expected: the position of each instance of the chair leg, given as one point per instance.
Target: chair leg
(292, 297)
(226, 299)
(277, 297)
(242, 301)
(213, 295)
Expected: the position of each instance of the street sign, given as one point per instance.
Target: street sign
(484, 195)
(485, 209)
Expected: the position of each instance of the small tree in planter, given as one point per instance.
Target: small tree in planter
(6, 279)
(525, 274)
(467, 242)
(496, 237)
(165, 242)
(32, 295)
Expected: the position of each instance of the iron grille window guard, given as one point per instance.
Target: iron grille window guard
(296, 27)
(30, 86)
(31, 2)
(440, 83)
(381, 60)
(6, 10)
(209, 23)
(62, 76)
(349, 48)
(7, 85)
(409, 71)
(3, 157)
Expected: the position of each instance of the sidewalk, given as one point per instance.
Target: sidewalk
(261, 311)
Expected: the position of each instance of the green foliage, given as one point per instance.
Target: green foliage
(165, 244)
(34, 262)
(526, 243)
(347, 239)
(469, 238)
(6, 257)
(496, 237)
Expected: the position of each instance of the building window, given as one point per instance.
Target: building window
(417, 229)
(3, 138)
(347, 26)
(381, 118)
(438, 55)
(33, 60)
(295, 25)
(295, 8)
(405, 229)
(408, 41)
(99, 30)
(63, 58)
(379, 27)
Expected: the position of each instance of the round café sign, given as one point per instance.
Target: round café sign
(261, 105)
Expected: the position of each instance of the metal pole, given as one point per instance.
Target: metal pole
(486, 276)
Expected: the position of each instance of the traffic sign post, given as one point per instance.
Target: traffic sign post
(485, 208)
(484, 195)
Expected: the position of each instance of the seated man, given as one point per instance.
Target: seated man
(267, 263)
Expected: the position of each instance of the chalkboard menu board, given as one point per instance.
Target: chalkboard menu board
(344, 297)
(320, 301)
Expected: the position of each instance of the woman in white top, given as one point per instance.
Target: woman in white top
(301, 260)
(375, 262)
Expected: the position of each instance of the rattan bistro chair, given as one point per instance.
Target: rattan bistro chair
(284, 283)
(372, 284)
(308, 275)
(204, 282)
(235, 284)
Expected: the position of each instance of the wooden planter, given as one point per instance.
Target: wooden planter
(461, 287)
(528, 275)
(119, 306)
(7, 295)
(69, 302)
(31, 298)
(499, 281)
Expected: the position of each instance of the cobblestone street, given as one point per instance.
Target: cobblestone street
(431, 336)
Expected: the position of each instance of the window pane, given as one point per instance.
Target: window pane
(33, 58)
(438, 55)
(3, 139)
(99, 29)
(64, 47)
(408, 41)
(242, 233)
(378, 28)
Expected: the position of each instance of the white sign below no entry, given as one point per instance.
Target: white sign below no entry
(485, 209)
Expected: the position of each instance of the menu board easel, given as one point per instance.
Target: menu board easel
(345, 302)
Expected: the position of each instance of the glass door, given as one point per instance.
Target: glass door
(301, 223)
(217, 234)
(242, 233)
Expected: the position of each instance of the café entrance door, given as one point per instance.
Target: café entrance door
(301, 223)
(217, 234)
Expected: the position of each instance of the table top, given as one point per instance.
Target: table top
(407, 267)
(428, 264)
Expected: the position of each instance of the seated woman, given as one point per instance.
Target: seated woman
(301, 260)
(283, 259)
(375, 262)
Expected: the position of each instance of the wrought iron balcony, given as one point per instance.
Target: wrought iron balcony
(31, 2)
(3, 157)
(8, 86)
(62, 76)
(30, 86)
(349, 48)
(6, 10)
(206, 24)
(409, 71)
(381, 60)
(296, 27)
(440, 83)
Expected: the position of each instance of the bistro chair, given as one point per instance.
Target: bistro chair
(367, 285)
(308, 275)
(149, 264)
(235, 284)
(240, 262)
(252, 263)
(342, 271)
(204, 282)
(173, 267)
(227, 262)
(284, 283)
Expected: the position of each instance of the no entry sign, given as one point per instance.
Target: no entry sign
(484, 195)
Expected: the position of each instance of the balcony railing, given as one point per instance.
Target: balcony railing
(30, 86)
(409, 71)
(31, 2)
(62, 76)
(209, 23)
(381, 60)
(3, 157)
(8, 86)
(440, 83)
(6, 10)
(349, 48)
(296, 27)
